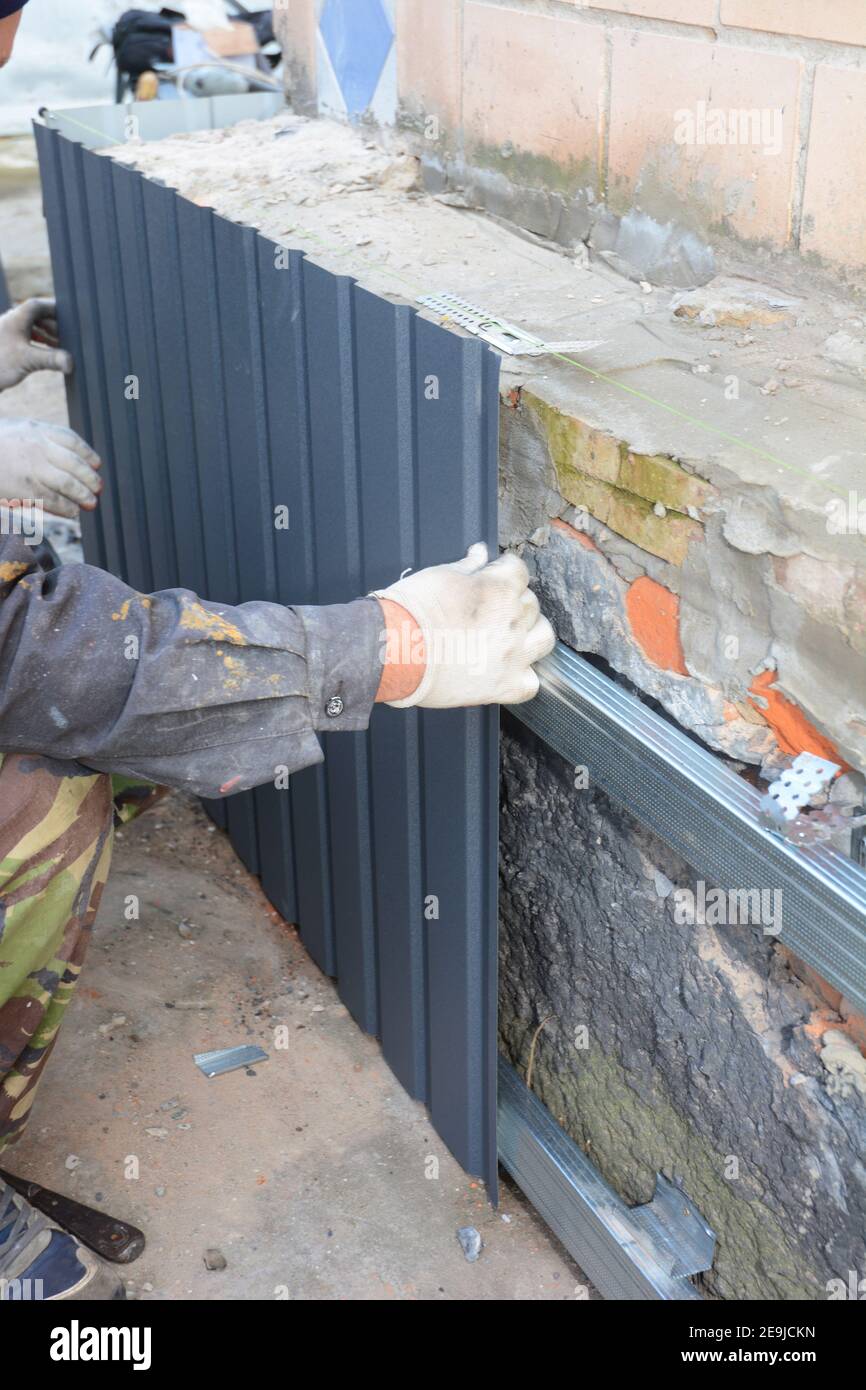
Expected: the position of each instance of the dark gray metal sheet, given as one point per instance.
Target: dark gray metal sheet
(264, 381)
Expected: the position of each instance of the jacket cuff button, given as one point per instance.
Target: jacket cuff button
(334, 707)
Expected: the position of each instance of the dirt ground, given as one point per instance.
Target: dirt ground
(309, 1171)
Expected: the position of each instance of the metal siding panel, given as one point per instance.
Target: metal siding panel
(48, 147)
(281, 281)
(254, 516)
(386, 430)
(198, 277)
(279, 309)
(173, 383)
(337, 537)
(231, 246)
(123, 464)
(267, 381)
(91, 361)
(456, 506)
(144, 355)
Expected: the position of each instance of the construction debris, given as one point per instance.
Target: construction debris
(470, 1242)
(228, 1059)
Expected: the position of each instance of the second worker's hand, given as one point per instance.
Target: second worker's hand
(29, 342)
(47, 466)
(463, 634)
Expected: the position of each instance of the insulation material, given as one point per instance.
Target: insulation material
(232, 387)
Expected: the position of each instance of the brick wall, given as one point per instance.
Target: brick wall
(736, 117)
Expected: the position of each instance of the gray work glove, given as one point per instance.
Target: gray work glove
(482, 629)
(29, 342)
(48, 466)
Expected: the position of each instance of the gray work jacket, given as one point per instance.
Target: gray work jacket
(166, 687)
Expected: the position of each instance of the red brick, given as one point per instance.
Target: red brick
(428, 59)
(533, 81)
(744, 186)
(842, 21)
(834, 204)
(654, 616)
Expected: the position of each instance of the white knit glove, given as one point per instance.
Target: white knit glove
(19, 354)
(482, 630)
(48, 466)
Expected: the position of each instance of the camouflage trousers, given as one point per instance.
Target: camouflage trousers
(56, 832)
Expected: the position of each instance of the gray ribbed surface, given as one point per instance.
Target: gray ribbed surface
(263, 386)
(705, 811)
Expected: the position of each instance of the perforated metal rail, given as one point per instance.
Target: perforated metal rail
(706, 813)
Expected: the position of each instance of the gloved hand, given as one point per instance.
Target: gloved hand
(47, 465)
(19, 354)
(482, 630)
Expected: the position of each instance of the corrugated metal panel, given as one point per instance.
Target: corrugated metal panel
(265, 381)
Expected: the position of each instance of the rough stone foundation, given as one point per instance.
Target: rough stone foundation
(702, 1053)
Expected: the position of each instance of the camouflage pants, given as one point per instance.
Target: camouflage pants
(56, 830)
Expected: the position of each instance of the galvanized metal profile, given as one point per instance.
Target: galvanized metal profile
(632, 1253)
(704, 811)
(262, 382)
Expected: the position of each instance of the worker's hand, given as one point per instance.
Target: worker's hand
(29, 342)
(477, 631)
(48, 466)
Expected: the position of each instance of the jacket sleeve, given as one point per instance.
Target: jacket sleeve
(169, 688)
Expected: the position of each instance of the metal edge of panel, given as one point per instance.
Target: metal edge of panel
(97, 127)
(604, 1236)
(708, 814)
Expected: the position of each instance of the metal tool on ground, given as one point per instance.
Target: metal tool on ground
(226, 1059)
(105, 1235)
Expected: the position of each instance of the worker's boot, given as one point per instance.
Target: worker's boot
(39, 1261)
